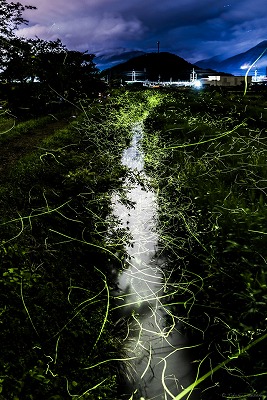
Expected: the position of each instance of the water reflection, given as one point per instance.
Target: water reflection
(159, 367)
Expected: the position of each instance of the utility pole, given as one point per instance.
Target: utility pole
(193, 76)
(158, 43)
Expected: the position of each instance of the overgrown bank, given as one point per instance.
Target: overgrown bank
(56, 258)
(206, 154)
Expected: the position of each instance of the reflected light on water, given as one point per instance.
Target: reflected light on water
(159, 367)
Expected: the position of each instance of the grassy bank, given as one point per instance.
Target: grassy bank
(206, 154)
(56, 259)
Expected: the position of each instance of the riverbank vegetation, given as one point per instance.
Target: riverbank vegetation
(206, 155)
(57, 255)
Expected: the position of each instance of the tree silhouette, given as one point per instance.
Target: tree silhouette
(11, 17)
(35, 73)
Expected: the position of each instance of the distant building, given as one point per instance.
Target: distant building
(226, 81)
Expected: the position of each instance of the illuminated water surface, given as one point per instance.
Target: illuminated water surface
(157, 366)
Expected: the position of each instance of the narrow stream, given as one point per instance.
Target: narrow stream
(158, 366)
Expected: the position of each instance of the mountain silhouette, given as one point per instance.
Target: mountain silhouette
(109, 60)
(153, 66)
(239, 64)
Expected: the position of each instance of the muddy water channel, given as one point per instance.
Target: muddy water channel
(157, 365)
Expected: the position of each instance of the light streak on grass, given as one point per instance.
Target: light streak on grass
(56, 352)
(163, 379)
(221, 179)
(77, 396)
(83, 289)
(260, 232)
(10, 129)
(247, 72)
(184, 145)
(222, 158)
(133, 303)
(70, 238)
(219, 366)
(50, 154)
(148, 361)
(71, 319)
(29, 217)
(107, 308)
(26, 309)
(88, 139)
(110, 360)
(189, 347)
(20, 232)
(259, 374)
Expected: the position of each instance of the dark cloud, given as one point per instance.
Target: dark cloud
(191, 28)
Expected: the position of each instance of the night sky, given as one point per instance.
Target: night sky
(192, 29)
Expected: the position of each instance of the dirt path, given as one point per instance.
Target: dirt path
(17, 147)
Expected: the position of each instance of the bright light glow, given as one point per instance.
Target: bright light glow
(214, 78)
(245, 66)
(197, 84)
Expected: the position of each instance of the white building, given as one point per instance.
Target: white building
(226, 81)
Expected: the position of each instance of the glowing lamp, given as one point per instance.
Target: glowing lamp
(197, 84)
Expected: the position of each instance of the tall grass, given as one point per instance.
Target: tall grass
(206, 154)
(57, 259)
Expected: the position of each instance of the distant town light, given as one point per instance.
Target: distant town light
(197, 84)
(214, 78)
